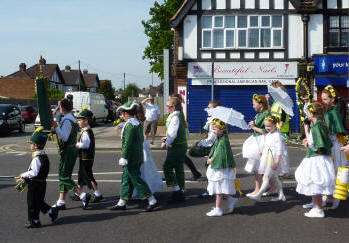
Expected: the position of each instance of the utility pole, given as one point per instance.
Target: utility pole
(79, 75)
(152, 74)
(124, 81)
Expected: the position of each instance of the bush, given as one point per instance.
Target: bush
(162, 120)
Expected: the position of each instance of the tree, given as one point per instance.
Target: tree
(159, 32)
(107, 90)
(131, 90)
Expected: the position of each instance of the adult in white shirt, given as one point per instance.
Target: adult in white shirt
(152, 114)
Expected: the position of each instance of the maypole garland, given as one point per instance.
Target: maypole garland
(301, 83)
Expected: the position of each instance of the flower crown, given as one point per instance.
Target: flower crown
(272, 119)
(218, 123)
(310, 107)
(257, 98)
(331, 90)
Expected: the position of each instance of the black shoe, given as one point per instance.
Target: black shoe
(30, 225)
(86, 200)
(54, 214)
(151, 208)
(62, 207)
(117, 207)
(97, 199)
(196, 176)
(75, 197)
(176, 197)
(204, 195)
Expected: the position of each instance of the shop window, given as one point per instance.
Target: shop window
(236, 32)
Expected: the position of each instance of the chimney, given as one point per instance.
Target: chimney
(42, 61)
(22, 67)
(67, 68)
(85, 71)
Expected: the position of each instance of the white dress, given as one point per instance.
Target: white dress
(220, 181)
(251, 148)
(315, 175)
(273, 146)
(339, 158)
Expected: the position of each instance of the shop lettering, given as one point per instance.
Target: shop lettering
(340, 65)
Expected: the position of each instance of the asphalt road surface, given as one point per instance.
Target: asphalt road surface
(186, 222)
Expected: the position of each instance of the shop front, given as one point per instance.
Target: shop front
(233, 84)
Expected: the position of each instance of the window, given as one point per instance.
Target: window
(252, 31)
(338, 31)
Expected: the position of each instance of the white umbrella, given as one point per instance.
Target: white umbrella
(229, 116)
(282, 98)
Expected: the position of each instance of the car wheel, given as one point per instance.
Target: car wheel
(21, 127)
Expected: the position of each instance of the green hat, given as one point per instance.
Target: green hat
(39, 137)
(127, 106)
(85, 114)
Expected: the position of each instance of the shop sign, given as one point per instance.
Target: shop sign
(243, 70)
(198, 81)
(331, 65)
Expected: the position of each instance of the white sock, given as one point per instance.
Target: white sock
(122, 202)
(60, 202)
(36, 221)
(98, 193)
(82, 195)
(50, 211)
(176, 188)
(151, 200)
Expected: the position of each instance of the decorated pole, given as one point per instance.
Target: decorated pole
(43, 101)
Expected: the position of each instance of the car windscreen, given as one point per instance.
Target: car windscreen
(3, 110)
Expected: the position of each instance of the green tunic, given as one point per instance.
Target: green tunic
(67, 159)
(259, 121)
(132, 151)
(334, 121)
(321, 140)
(221, 154)
(173, 166)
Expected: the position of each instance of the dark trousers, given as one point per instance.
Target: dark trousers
(36, 200)
(85, 175)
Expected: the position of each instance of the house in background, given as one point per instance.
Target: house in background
(74, 80)
(92, 81)
(155, 91)
(18, 88)
(51, 71)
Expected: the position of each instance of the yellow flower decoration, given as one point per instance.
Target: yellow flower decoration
(310, 108)
(257, 98)
(331, 90)
(272, 119)
(218, 123)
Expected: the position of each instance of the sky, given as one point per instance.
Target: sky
(105, 35)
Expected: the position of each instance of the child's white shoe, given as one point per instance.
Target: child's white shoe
(215, 212)
(280, 198)
(254, 197)
(315, 213)
(231, 204)
(308, 205)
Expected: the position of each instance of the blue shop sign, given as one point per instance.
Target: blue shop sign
(331, 64)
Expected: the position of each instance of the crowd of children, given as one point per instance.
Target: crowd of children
(265, 151)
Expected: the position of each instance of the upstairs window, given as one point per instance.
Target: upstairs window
(242, 31)
(338, 31)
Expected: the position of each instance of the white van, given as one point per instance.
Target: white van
(95, 102)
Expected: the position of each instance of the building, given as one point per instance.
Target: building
(91, 80)
(242, 45)
(155, 91)
(74, 80)
(18, 88)
(51, 71)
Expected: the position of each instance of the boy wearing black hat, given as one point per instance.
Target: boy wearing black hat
(86, 147)
(36, 179)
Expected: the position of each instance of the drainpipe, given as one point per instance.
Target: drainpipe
(305, 19)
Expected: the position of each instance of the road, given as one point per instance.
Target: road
(251, 222)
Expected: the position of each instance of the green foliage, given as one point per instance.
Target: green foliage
(162, 120)
(54, 94)
(131, 90)
(159, 33)
(107, 90)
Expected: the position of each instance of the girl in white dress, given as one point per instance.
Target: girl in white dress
(273, 160)
(315, 175)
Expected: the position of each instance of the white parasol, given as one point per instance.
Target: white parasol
(229, 116)
(282, 98)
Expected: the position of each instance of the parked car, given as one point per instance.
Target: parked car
(10, 119)
(29, 113)
(37, 122)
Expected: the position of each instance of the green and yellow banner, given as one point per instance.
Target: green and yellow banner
(43, 102)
